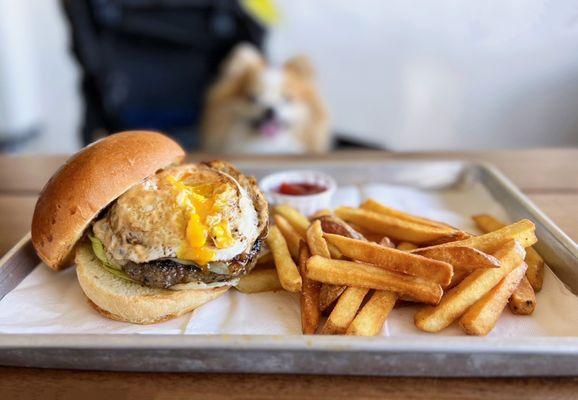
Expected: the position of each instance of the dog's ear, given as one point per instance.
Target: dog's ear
(301, 66)
(243, 57)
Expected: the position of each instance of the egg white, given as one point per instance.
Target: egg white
(148, 212)
(245, 221)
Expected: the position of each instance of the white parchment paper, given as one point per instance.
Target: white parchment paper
(48, 302)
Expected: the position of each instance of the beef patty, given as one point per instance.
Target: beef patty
(164, 273)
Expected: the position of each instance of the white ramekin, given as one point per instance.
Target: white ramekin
(306, 204)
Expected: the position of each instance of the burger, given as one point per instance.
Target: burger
(151, 238)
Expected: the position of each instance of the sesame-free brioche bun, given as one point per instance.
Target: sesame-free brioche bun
(89, 181)
(122, 300)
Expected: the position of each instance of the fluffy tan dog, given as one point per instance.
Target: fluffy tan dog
(257, 108)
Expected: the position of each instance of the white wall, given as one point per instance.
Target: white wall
(442, 74)
(46, 68)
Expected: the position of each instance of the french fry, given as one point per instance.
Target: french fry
(290, 234)
(316, 242)
(386, 242)
(535, 272)
(470, 290)
(523, 300)
(370, 319)
(309, 298)
(462, 258)
(393, 259)
(456, 237)
(286, 268)
(267, 265)
(348, 273)
(332, 224)
(328, 294)
(335, 253)
(392, 227)
(406, 246)
(481, 317)
(294, 217)
(319, 243)
(319, 247)
(263, 280)
(265, 258)
(344, 311)
(487, 223)
(458, 277)
(521, 231)
(367, 234)
(375, 206)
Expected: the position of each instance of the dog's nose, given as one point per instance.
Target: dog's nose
(269, 113)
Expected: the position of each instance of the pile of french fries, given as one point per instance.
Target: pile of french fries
(354, 265)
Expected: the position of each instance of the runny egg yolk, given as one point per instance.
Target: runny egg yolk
(206, 226)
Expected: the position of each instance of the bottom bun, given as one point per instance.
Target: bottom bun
(122, 300)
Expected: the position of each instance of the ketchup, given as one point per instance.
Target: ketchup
(300, 188)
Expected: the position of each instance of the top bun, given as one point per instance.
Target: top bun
(89, 181)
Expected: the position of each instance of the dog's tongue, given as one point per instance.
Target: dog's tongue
(269, 129)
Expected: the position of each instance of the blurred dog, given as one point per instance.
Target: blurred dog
(257, 108)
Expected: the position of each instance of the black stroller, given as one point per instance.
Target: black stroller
(147, 63)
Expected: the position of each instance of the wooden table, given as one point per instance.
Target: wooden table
(548, 176)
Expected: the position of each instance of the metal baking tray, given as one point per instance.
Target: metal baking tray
(437, 356)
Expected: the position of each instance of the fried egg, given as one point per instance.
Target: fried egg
(192, 213)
